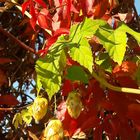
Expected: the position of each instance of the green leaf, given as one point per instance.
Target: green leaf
(85, 29)
(124, 28)
(77, 73)
(26, 116)
(103, 60)
(114, 42)
(82, 54)
(17, 120)
(81, 51)
(49, 69)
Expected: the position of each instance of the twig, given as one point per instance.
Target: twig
(14, 108)
(21, 44)
(115, 88)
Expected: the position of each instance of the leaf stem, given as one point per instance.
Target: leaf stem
(115, 88)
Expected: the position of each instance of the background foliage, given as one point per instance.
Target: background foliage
(72, 66)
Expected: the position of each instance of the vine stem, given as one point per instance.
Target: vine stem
(115, 88)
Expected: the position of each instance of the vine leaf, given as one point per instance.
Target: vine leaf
(126, 29)
(82, 54)
(114, 41)
(49, 69)
(85, 29)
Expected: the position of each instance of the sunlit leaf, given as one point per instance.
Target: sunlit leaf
(49, 69)
(82, 54)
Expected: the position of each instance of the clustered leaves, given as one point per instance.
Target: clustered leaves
(86, 62)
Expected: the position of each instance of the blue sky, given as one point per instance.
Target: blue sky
(137, 3)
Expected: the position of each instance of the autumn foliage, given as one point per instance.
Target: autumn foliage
(69, 69)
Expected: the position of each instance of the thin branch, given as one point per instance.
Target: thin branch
(115, 88)
(21, 44)
(14, 108)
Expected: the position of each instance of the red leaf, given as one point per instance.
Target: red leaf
(8, 100)
(97, 134)
(101, 8)
(125, 81)
(61, 31)
(6, 60)
(42, 21)
(42, 3)
(69, 124)
(33, 14)
(67, 87)
(134, 112)
(89, 6)
(73, 9)
(127, 68)
(25, 5)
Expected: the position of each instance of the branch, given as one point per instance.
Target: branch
(115, 88)
(21, 44)
(14, 108)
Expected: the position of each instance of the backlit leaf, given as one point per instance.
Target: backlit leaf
(114, 42)
(82, 54)
(85, 29)
(49, 69)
